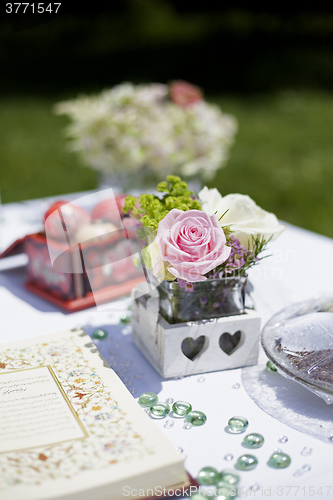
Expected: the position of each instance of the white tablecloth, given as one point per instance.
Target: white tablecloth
(299, 268)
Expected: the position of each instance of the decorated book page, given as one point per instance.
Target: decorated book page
(68, 424)
(35, 410)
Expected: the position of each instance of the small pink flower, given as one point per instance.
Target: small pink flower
(181, 283)
(192, 243)
(184, 94)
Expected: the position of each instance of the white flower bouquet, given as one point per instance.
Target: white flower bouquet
(163, 128)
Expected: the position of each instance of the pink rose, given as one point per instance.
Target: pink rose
(192, 243)
(184, 94)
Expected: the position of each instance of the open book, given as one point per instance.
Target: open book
(69, 429)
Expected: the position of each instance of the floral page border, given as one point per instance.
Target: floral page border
(112, 438)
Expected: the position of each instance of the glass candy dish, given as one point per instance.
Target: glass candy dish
(299, 341)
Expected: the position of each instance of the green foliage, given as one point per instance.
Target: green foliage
(150, 209)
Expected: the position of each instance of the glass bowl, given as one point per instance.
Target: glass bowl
(299, 341)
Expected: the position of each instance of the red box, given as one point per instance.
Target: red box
(100, 262)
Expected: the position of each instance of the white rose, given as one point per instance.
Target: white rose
(243, 215)
(157, 264)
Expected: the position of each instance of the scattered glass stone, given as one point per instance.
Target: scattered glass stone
(208, 475)
(228, 457)
(279, 460)
(125, 320)
(99, 334)
(168, 424)
(147, 409)
(253, 440)
(228, 477)
(283, 439)
(159, 410)
(306, 467)
(126, 331)
(271, 367)
(246, 462)
(147, 399)
(331, 438)
(201, 379)
(303, 470)
(179, 449)
(306, 451)
(187, 425)
(196, 418)
(181, 408)
(236, 425)
(225, 493)
(169, 401)
(254, 487)
(236, 386)
(262, 378)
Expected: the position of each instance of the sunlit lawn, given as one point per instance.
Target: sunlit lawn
(282, 157)
(34, 161)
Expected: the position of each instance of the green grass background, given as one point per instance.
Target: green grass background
(282, 156)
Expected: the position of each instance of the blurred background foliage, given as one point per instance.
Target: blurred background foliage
(271, 67)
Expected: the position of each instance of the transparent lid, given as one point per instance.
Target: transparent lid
(299, 341)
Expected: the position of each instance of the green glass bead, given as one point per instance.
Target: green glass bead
(237, 424)
(225, 493)
(228, 477)
(246, 462)
(147, 399)
(279, 460)
(99, 334)
(159, 410)
(125, 320)
(181, 408)
(253, 440)
(271, 367)
(196, 418)
(208, 475)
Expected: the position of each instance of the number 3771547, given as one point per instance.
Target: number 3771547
(305, 491)
(32, 8)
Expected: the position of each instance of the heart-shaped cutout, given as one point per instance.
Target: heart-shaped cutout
(230, 343)
(192, 348)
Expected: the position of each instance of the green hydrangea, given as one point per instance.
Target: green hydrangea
(151, 209)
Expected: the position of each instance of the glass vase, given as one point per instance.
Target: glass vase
(143, 180)
(208, 299)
